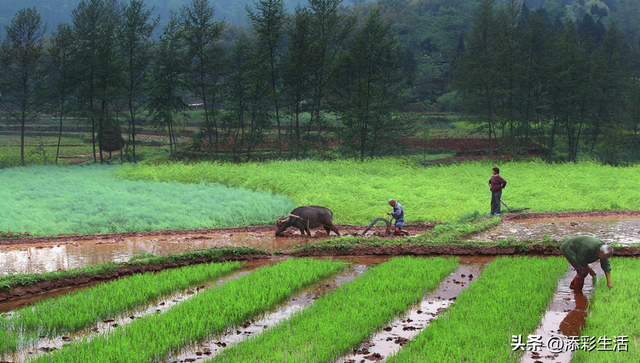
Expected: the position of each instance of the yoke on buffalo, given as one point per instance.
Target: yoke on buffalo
(307, 217)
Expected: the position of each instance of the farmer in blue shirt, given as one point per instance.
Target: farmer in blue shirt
(398, 215)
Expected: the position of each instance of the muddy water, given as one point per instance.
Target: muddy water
(156, 306)
(67, 255)
(74, 254)
(564, 318)
(398, 332)
(234, 335)
(624, 231)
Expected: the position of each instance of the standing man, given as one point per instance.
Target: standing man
(496, 184)
(398, 215)
(583, 250)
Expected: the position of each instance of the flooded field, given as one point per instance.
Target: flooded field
(564, 316)
(52, 256)
(623, 231)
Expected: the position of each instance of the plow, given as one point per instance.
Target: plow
(388, 231)
(516, 210)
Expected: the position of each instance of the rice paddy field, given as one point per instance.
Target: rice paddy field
(358, 192)
(314, 312)
(49, 200)
(507, 299)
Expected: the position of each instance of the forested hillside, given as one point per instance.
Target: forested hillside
(558, 79)
(54, 12)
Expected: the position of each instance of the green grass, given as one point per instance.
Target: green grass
(41, 150)
(86, 200)
(613, 313)
(153, 337)
(358, 192)
(75, 311)
(339, 321)
(508, 299)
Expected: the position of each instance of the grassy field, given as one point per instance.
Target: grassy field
(52, 200)
(358, 192)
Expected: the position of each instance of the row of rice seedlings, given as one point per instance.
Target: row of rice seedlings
(508, 299)
(72, 312)
(405, 327)
(339, 321)
(612, 330)
(161, 305)
(153, 337)
(234, 335)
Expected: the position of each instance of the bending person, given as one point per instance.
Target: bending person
(580, 252)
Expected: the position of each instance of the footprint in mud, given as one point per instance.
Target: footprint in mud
(374, 357)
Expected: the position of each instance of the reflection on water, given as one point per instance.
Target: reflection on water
(412, 322)
(564, 317)
(67, 255)
(624, 231)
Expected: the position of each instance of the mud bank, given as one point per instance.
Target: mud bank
(345, 229)
(614, 213)
(21, 292)
(362, 250)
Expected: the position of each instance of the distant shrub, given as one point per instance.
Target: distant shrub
(449, 102)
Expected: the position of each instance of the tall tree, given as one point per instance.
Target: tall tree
(22, 58)
(367, 93)
(477, 71)
(607, 93)
(97, 61)
(167, 79)
(61, 78)
(296, 74)
(507, 35)
(248, 106)
(201, 35)
(135, 35)
(269, 25)
(328, 30)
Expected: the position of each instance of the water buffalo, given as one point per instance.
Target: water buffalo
(307, 217)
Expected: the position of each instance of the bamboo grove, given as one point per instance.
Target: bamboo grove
(561, 82)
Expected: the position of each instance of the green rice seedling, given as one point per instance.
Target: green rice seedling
(339, 321)
(508, 299)
(72, 312)
(153, 337)
(612, 330)
(64, 200)
(427, 194)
